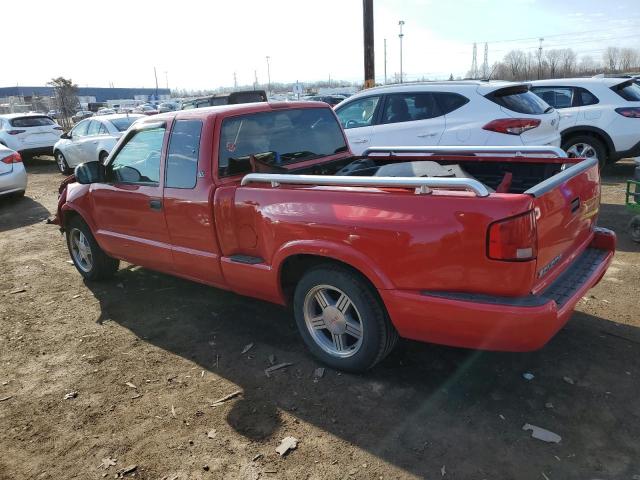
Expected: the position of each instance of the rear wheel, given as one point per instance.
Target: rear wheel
(341, 319)
(634, 228)
(61, 161)
(585, 146)
(90, 260)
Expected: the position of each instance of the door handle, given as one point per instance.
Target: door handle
(430, 134)
(360, 140)
(155, 204)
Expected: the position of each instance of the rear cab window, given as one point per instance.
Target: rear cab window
(520, 100)
(280, 137)
(183, 154)
(32, 121)
(628, 90)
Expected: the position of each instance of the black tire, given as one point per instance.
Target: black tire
(634, 228)
(61, 162)
(581, 139)
(101, 266)
(378, 336)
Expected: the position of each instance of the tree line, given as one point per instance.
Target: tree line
(564, 62)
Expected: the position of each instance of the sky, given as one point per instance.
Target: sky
(201, 44)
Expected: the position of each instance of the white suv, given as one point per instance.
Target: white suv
(29, 134)
(448, 113)
(599, 117)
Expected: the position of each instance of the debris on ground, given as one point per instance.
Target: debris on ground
(247, 348)
(120, 285)
(287, 443)
(70, 262)
(545, 477)
(528, 376)
(4, 399)
(318, 374)
(502, 417)
(70, 395)
(548, 405)
(107, 462)
(443, 471)
(279, 366)
(258, 456)
(77, 296)
(542, 434)
(212, 433)
(569, 380)
(129, 384)
(18, 290)
(272, 359)
(124, 471)
(173, 412)
(205, 467)
(221, 400)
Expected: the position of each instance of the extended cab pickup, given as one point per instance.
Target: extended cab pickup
(472, 247)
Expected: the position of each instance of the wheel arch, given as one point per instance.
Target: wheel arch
(594, 132)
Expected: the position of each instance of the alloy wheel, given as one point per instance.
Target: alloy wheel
(81, 250)
(582, 150)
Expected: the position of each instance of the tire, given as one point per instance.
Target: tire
(634, 228)
(352, 332)
(61, 162)
(578, 145)
(100, 265)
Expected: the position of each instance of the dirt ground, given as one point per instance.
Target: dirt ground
(148, 354)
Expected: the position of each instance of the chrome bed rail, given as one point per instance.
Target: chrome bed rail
(422, 185)
(517, 151)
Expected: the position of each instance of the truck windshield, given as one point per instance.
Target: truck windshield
(288, 136)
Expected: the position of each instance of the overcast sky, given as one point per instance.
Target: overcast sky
(202, 43)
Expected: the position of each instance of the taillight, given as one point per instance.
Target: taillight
(15, 132)
(512, 126)
(629, 112)
(513, 239)
(13, 158)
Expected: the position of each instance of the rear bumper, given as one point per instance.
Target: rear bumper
(14, 181)
(36, 151)
(632, 152)
(515, 324)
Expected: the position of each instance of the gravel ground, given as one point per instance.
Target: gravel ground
(147, 356)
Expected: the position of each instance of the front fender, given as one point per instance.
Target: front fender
(369, 267)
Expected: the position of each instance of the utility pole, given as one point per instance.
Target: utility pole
(485, 63)
(235, 81)
(400, 35)
(385, 61)
(474, 62)
(268, 76)
(255, 81)
(166, 78)
(369, 56)
(540, 59)
(155, 74)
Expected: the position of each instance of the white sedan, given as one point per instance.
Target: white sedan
(91, 140)
(13, 178)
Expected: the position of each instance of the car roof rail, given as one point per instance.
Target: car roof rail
(422, 185)
(517, 151)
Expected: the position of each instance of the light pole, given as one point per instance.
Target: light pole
(400, 35)
(385, 61)
(268, 75)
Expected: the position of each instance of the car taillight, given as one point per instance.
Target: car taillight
(13, 158)
(15, 132)
(512, 126)
(629, 112)
(513, 239)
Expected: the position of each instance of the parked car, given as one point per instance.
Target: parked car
(438, 254)
(53, 114)
(146, 109)
(599, 117)
(106, 111)
(248, 96)
(167, 107)
(332, 100)
(448, 113)
(13, 177)
(29, 134)
(91, 140)
(81, 115)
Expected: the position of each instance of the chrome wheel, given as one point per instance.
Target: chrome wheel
(582, 150)
(62, 163)
(81, 250)
(333, 321)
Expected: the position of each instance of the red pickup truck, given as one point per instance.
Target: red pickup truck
(472, 247)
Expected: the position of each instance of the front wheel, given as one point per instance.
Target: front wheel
(87, 256)
(61, 162)
(341, 319)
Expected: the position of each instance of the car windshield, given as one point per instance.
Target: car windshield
(278, 137)
(122, 124)
(31, 122)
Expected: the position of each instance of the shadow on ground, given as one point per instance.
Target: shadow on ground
(424, 406)
(17, 212)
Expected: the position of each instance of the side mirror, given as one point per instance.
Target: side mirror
(89, 172)
(66, 135)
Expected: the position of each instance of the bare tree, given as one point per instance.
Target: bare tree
(628, 59)
(66, 98)
(516, 63)
(611, 57)
(568, 61)
(587, 65)
(553, 58)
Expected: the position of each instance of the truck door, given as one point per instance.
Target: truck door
(128, 208)
(186, 201)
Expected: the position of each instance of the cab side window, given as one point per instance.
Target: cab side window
(138, 160)
(182, 157)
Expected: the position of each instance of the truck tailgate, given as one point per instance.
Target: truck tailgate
(566, 207)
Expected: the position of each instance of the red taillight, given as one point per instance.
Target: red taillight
(513, 239)
(512, 126)
(629, 112)
(15, 132)
(13, 158)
